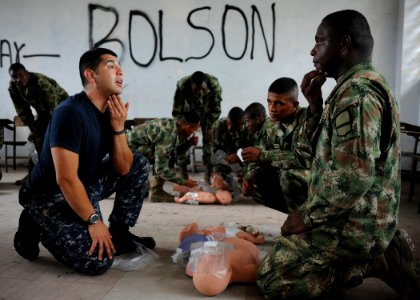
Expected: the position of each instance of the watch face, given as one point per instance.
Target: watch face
(94, 218)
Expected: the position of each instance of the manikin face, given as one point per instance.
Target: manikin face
(20, 77)
(326, 52)
(282, 106)
(109, 75)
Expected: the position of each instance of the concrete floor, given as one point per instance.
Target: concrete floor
(45, 278)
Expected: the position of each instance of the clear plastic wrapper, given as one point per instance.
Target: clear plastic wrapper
(211, 258)
(136, 260)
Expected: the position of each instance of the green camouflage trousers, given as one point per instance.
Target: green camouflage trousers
(282, 190)
(293, 269)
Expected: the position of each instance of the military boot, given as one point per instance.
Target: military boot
(184, 172)
(157, 194)
(208, 169)
(397, 266)
(27, 237)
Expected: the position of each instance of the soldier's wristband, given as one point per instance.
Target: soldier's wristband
(120, 132)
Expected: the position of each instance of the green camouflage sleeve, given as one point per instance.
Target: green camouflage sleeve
(213, 103)
(51, 91)
(23, 109)
(299, 155)
(259, 140)
(156, 140)
(163, 154)
(338, 182)
(218, 134)
(179, 97)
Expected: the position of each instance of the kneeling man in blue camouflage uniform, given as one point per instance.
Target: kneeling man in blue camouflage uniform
(85, 158)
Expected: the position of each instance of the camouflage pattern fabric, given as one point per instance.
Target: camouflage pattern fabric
(157, 139)
(226, 141)
(354, 192)
(41, 93)
(283, 166)
(66, 236)
(207, 105)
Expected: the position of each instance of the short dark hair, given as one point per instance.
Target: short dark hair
(255, 110)
(354, 24)
(91, 60)
(191, 117)
(236, 114)
(199, 77)
(283, 85)
(16, 67)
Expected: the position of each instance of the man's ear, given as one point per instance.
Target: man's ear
(345, 43)
(89, 74)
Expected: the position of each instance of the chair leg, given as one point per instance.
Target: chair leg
(413, 172)
(14, 157)
(193, 165)
(6, 158)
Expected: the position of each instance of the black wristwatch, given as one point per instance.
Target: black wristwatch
(93, 219)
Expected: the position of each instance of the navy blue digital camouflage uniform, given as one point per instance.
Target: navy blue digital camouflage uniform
(66, 236)
(78, 126)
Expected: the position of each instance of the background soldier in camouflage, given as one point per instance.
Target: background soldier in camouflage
(254, 118)
(202, 93)
(34, 90)
(86, 158)
(43, 94)
(277, 166)
(229, 135)
(161, 141)
(346, 230)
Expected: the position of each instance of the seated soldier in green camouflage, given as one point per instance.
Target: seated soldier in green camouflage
(277, 166)
(161, 140)
(229, 135)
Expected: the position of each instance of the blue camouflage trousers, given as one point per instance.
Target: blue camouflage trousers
(66, 236)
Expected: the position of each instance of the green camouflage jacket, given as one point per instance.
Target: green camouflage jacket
(207, 105)
(157, 140)
(41, 93)
(227, 141)
(355, 187)
(285, 146)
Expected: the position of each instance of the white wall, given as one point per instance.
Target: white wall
(64, 29)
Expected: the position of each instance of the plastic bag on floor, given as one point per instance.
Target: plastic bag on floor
(136, 260)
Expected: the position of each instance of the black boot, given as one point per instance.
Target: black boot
(27, 237)
(126, 242)
(24, 195)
